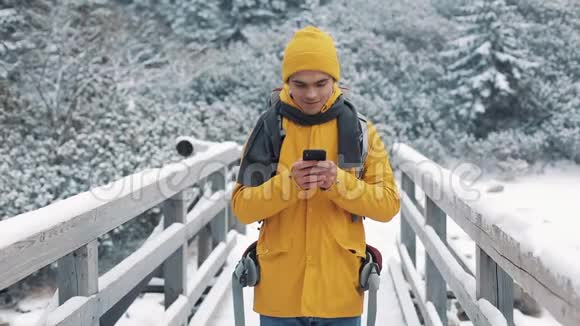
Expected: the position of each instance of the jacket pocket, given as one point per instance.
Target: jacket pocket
(353, 248)
(349, 235)
(273, 239)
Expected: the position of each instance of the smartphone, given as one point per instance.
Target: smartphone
(314, 155)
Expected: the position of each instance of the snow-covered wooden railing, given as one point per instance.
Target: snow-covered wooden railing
(501, 259)
(67, 232)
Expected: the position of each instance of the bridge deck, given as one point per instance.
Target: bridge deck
(381, 235)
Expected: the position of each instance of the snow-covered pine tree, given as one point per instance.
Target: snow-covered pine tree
(485, 68)
(561, 120)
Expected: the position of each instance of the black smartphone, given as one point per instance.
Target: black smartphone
(314, 155)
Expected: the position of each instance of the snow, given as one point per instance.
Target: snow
(24, 225)
(494, 316)
(484, 49)
(481, 79)
(466, 41)
(523, 320)
(29, 310)
(148, 310)
(502, 83)
(541, 213)
(478, 106)
(4, 13)
(462, 62)
(505, 57)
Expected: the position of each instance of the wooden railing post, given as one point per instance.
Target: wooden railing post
(494, 285)
(436, 288)
(215, 232)
(408, 237)
(233, 222)
(204, 244)
(219, 223)
(78, 274)
(175, 267)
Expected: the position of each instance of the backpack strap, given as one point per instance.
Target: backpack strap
(277, 134)
(246, 273)
(369, 280)
(364, 145)
(277, 139)
(238, 298)
(364, 141)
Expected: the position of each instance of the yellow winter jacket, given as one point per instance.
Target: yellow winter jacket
(309, 249)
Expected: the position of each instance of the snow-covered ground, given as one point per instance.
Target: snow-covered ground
(549, 201)
(28, 311)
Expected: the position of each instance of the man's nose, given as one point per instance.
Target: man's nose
(311, 94)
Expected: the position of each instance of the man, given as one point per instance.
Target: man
(310, 247)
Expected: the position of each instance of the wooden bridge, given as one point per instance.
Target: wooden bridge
(67, 231)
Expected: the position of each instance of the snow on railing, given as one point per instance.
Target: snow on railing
(503, 255)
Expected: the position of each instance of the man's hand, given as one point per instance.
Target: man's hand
(326, 171)
(301, 172)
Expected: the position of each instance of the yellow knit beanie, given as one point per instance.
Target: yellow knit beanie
(310, 49)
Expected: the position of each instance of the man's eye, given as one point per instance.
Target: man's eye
(321, 85)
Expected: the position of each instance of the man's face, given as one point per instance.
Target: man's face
(310, 90)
